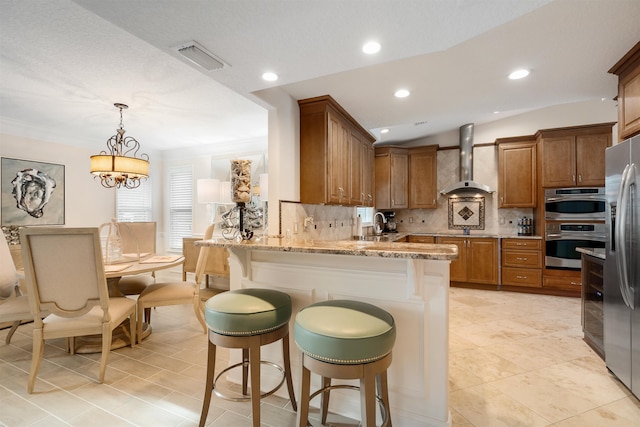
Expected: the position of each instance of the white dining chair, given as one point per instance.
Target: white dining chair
(138, 238)
(14, 307)
(177, 293)
(65, 276)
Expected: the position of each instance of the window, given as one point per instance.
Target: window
(180, 206)
(134, 204)
(366, 214)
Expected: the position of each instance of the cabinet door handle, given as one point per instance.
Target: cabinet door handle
(393, 202)
(579, 177)
(573, 179)
(574, 283)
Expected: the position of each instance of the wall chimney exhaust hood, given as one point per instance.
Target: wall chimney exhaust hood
(466, 183)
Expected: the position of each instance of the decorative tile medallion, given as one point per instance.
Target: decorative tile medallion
(466, 212)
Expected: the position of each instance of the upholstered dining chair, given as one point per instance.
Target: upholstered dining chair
(14, 307)
(65, 275)
(177, 293)
(137, 238)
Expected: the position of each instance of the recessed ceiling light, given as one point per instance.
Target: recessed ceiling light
(496, 112)
(402, 93)
(519, 74)
(385, 130)
(270, 77)
(371, 47)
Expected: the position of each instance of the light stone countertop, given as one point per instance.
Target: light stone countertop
(383, 249)
(594, 252)
(474, 233)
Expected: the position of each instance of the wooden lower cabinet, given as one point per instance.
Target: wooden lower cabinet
(477, 261)
(522, 263)
(570, 281)
(420, 239)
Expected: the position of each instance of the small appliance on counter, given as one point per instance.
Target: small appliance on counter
(390, 226)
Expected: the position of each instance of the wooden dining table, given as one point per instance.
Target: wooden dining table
(148, 264)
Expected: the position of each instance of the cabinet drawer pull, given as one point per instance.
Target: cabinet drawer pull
(521, 277)
(522, 258)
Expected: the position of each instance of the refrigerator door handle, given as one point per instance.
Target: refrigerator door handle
(621, 213)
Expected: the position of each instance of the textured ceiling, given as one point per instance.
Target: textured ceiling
(64, 63)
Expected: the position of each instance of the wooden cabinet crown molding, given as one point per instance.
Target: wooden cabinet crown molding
(321, 103)
(575, 130)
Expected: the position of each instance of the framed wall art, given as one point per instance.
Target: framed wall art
(32, 193)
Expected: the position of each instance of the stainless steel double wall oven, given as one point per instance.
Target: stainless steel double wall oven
(574, 218)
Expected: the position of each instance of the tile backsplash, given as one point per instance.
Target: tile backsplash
(329, 222)
(338, 222)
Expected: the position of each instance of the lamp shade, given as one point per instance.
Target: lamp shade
(208, 190)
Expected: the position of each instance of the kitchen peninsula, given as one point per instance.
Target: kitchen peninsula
(410, 280)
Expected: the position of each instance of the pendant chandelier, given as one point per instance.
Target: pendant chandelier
(120, 166)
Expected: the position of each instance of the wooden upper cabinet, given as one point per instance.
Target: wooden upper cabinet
(573, 157)
(332, 154)
(517, 172)
(590, 162)
(355, 170)
(368, 175)
(628, 72)
(423, 177)
(391, 178)
(337, 168)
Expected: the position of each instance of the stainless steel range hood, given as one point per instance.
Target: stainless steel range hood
(466, 183)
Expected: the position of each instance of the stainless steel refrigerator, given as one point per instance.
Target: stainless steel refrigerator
(622, 265)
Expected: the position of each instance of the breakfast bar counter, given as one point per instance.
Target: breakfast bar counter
(409, 280)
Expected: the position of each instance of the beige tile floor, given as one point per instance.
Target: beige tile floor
(516, 360)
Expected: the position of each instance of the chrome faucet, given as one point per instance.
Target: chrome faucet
(376, 227)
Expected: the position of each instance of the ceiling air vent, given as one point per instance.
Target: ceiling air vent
(200, 56)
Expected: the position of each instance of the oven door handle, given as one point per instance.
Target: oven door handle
(575, 236)
(553, 199)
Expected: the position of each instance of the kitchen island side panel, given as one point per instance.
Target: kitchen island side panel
(414, 291)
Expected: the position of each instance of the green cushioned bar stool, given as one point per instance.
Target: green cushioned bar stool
(247, 319)
(345, 339)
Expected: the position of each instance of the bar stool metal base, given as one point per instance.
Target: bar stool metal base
(246, 398)
(383, 408)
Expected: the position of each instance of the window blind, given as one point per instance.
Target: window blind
(180, 206)
(134, 204)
